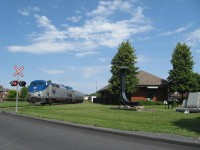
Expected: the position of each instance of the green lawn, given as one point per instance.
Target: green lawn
(12, 104)
(154, 119)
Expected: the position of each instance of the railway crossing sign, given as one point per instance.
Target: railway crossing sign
(18, 71)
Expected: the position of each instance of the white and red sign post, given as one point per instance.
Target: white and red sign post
(17, 73)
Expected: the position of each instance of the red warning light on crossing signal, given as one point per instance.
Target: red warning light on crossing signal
(14, 83)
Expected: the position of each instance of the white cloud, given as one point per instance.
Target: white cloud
(27, 10)
(83, 54)
(73, 68)
(144, 38)
(104, 33)
(52, 71)
(103, 59)
(74, 19)
(138, 16)
(96, 32)
(179, 30)
(107, 8)
(143, 59)
(193, 38)
(197, 51)
(51, 33)
(89, 71)
(166, 33)
(41, 47)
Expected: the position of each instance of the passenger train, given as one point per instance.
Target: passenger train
(45, 92)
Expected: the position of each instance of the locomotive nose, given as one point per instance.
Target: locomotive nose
(35, 94)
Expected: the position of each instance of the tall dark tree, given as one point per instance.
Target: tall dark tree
(124, 57)
(181, 77)
(196, 82)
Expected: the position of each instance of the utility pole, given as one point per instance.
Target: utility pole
(96, 85)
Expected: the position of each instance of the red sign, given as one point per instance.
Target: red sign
(18, 71)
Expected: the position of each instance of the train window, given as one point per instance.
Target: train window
(38, 83)
(55, 85)
(33, 84)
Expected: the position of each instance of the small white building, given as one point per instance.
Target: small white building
(92, 97)
(87, 97)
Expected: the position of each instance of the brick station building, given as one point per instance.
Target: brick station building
(150, 87)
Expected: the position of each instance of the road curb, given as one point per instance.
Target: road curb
(159, 137)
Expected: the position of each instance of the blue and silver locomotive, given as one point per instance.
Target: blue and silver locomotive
(45, 92)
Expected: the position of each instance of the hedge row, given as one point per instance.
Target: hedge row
(145, 103)
(14, 99)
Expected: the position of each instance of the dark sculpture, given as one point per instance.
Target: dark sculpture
(124, 99)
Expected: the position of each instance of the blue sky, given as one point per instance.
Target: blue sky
(72, 42)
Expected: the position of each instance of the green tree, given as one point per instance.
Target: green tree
(196, 82)
(24, 92)
(124, 57)
(12, 94)
(95, 94)
(181, 77)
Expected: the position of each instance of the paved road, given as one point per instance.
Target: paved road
(19, 133)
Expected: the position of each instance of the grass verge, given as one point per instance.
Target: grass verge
(12, 104)
(156, 119)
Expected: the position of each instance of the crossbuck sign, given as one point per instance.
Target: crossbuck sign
(18, 71)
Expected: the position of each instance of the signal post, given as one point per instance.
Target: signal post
(18, 82)
(16, 109)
